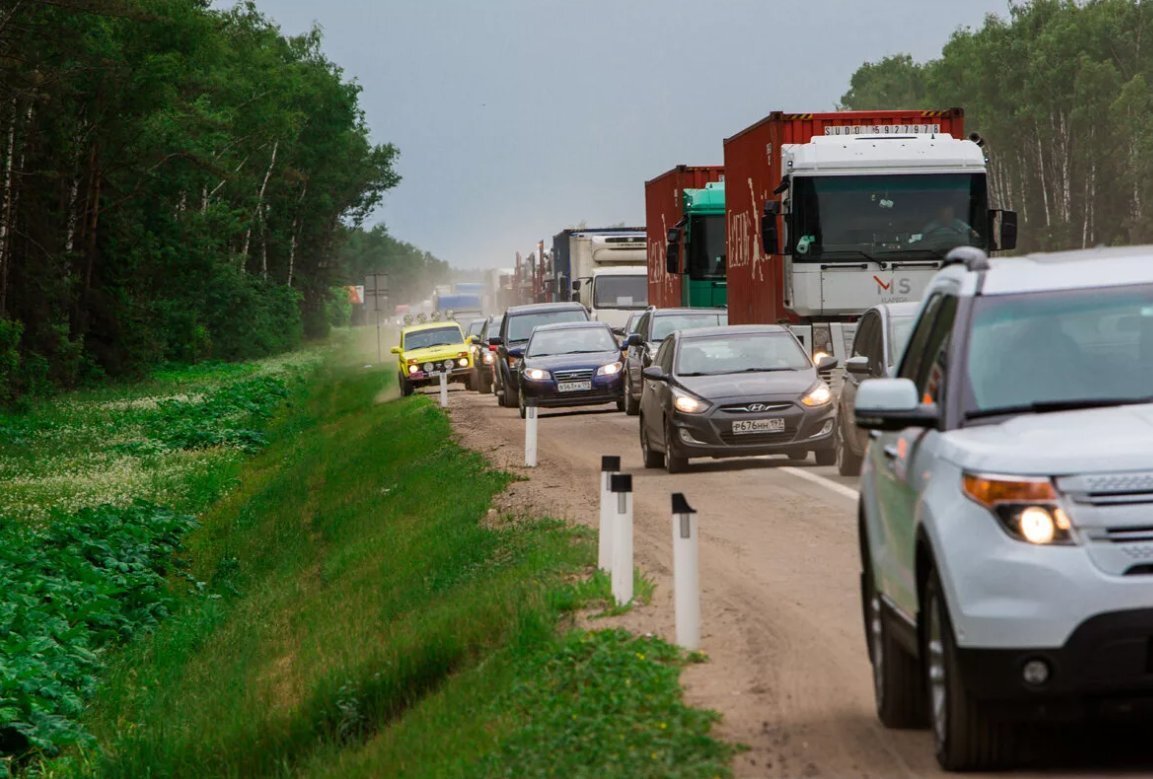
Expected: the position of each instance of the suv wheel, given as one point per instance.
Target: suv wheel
(898, 684)
(848, 463)
(652, 459)
(405, 386)
(632, 405)
(965, 738)
(507, 399)
(674, 462)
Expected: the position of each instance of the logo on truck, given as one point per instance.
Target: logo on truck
(902, 286)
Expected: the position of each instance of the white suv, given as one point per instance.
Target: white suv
(1006, 515)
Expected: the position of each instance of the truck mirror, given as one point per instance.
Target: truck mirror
(1004, 238)
(769, 226)
(576, 285)
(672, 259)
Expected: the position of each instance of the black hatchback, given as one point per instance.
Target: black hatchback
(736, 391)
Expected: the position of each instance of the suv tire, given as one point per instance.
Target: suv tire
(848, 462)
(632, 405)
(507, 399)
(965, 737)
(406, 387)
(898, 682)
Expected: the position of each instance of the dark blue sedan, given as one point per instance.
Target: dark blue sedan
(571, 364)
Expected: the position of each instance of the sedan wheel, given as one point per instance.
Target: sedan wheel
(652, 459)
(632, 405)
(522, 404)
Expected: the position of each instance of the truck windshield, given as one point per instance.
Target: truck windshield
(621, 291)
(895, 216)
(440, 336)
(707, 247)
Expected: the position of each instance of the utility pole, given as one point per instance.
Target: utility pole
(376, 290)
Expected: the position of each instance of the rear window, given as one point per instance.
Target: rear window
(520, 326)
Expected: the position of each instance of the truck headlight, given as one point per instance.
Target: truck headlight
(819, 395)
(1027, 507)
(688, 404)
(535, 374)
(611, 369)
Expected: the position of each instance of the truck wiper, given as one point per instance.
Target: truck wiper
(1046, 406)
(855, 252)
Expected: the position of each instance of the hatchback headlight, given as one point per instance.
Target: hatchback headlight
(819, 395)
(688, 404)
(535, 374)
(1027, 507)
(612, 369)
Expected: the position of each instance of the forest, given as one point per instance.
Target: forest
(177, 183)
(1060, 91)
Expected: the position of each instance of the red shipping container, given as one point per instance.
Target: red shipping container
(752, 173)
(664, 207)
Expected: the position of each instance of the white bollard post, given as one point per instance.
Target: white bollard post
(622, 485)
(443, 389)
(686, 573)
(610, 464)
(530, 429)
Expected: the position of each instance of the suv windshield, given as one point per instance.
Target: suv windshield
(850, 218)
(752, 353)
(663, 325)
(439, 336)
(1079, 347)
(571, 341)
(520, 326)
(621, 291)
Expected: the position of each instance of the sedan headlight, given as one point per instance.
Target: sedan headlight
(1025, 506)
(612, 369)
(688, 404)
(535, 374)
(819, 395)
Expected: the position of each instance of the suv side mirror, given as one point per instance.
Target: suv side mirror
(858, 365)
(635, 339)
(769, 226)
(495, 341)
(516, 351)
(827, 363)
(892, 405)
(654, 372)
(1003, 229)
(395, 350)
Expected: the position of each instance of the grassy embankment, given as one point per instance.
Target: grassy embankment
(345, 611)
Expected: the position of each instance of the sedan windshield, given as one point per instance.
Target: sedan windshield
(1045, 351)
(891, 217)
(520, 327)
(440, 336)
(577, 340)
(745, 353)
(663, 325)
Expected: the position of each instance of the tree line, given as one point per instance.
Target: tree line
(176, 183)
(1060, 90)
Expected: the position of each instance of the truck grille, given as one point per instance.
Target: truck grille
(584, 374)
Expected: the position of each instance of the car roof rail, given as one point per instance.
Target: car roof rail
(970, 256)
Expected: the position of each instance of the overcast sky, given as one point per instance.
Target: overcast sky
(517, 118)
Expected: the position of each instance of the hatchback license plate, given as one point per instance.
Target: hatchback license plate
(573, 386)
(759, 426)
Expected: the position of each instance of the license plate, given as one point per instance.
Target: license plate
(759, 426)
(573, 386)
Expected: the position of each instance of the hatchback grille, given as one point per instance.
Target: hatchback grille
(576, 375)
(756, 408)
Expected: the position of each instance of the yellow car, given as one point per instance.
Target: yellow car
(428, 350)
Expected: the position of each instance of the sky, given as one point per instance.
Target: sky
(518, 118)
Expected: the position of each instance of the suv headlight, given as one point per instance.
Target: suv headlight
(819, 395)
(688, 404)
(535, 374)
(1026, 507)
(611, 369)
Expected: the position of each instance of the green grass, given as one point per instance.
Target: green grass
(346, 612)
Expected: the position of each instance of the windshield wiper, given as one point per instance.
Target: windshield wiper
(743, 370)
(1046, 406)
(856, 252)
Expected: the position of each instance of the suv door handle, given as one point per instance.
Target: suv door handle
(890, 451)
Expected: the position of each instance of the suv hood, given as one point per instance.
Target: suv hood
(434, 353)
(1064, 442)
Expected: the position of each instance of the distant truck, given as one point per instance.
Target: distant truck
(459, 305)
(829, 214)
(685, 226)
(605, 269)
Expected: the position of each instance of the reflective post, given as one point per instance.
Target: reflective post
(610, 464)
(686, 573)
(443, 389)
(530, 430)
(622, 486)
